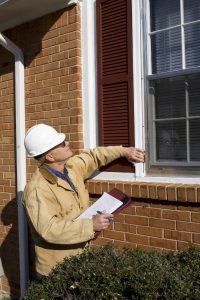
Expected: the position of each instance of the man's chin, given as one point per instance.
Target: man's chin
(69, 153)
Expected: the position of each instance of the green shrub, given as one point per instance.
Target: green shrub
(107, 273)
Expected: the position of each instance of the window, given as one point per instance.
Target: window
(163, 108)
(173, 82)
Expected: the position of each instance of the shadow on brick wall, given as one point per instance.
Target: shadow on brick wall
(10, 247)
(29, 38)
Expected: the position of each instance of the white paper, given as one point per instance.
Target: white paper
(106, 203)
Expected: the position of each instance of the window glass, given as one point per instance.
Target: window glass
(195, 140)
(192, 45)
(194, 95)
(191, 10)
(166, 51)
(169, 98)
(171, 140)
(164, 14)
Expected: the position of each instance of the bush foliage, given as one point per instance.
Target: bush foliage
(107, 273)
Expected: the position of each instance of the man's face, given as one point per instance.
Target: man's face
(61, 152)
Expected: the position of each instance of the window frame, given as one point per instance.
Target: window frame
(143, 172)
(153, 166)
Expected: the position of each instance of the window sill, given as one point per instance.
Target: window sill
(148, 187)
(131, 177)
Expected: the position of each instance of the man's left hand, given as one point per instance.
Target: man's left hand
(134, 154)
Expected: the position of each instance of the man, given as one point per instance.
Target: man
(56, 194)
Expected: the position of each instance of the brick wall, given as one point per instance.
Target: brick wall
(53, 82)
(161, 223)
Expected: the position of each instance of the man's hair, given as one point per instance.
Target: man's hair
(40, 158)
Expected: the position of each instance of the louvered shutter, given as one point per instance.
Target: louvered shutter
(115, 76)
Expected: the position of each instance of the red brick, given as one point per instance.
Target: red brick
(127, 189)
(123, 244)
(98, 188)
(163, 243)
(135, 190)
(149, 212)
(181, 194)
(136, 220)
(149, 231)
(100, 241)
(122, 227)
(192, 194)
(198, 194)
(119, 218)
(182, 245)
(162, 192)
(149, 248)
(120, 186)
(186, 226)
(178, 235)
(144, 191)
(137, 239)
(195, 217)
(130, 210)
(111, 185)
(116, 235)
(105, 187)
(196, 238)
(176, 215)
(165, 224)
(152, 191)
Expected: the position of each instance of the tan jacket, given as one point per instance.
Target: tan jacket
(52, 207)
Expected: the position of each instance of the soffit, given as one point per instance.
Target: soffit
(16, 12)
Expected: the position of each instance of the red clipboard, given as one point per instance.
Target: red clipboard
(126, 201)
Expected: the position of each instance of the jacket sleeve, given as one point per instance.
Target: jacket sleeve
(89, 161)
(43, 213)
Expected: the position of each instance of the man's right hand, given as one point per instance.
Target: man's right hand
(101, 222)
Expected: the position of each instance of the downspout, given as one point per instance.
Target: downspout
(20, 157)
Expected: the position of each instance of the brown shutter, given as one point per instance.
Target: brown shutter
(115, 76)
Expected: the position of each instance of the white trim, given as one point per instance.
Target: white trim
(89, 74)
(148, 29)
(128, 177)
(182, 34)
(137, 71)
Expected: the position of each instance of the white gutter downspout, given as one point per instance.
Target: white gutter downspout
(20, 157)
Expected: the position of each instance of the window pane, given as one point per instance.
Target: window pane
(192, 10)
(192, 45)
(166, 51)
(164, 14)
(195, 139)
(170, 98)
(194, 95)
(171, 140)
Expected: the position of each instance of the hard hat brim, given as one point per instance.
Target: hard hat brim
(60, 138)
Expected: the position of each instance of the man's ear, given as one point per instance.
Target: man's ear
(49, 157)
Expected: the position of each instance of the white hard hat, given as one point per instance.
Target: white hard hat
(41, 138)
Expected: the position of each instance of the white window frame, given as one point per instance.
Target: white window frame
(89, 84)
(163, 167)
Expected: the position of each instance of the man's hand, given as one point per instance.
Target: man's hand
(134, 154)
(101, 221)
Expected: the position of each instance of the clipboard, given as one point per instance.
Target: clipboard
(126, 201)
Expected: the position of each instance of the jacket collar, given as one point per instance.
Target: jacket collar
(53, 179)
(46, 173)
